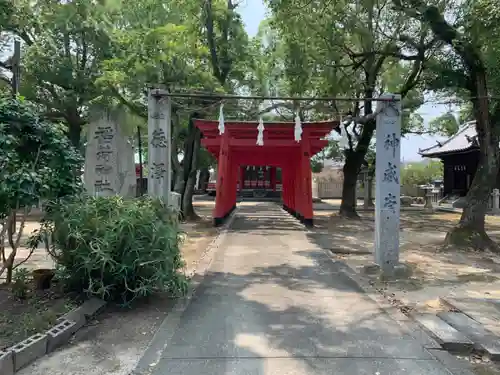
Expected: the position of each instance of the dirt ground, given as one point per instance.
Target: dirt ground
(435, 274)
(20, 319)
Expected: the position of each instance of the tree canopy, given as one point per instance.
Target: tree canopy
(81, 56)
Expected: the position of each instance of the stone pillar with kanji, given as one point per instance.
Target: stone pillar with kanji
(387, 177)
(159, 149)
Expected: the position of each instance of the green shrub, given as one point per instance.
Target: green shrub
(20, 287)
(116, 249)
(37, 163)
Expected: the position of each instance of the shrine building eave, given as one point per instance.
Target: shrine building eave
(464, 141)
(242, 135)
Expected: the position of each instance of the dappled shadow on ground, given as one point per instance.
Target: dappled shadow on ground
(421, 238)
(301, 307)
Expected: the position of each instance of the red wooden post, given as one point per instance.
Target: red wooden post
(287, 183)
(242, 177)
(306, 181)
(285, 187)
(229, 185)
(272, 178)
(235, 176)
(222, 181)
(298, 189)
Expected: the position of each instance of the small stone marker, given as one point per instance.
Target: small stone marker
(428, 207)
(366, 191)
(387, 175)
(159, 145)
(175, 200)
(496, 201)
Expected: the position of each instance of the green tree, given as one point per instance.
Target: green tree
(421, 173)
(467, 66)
(446, 124)
(63, 47)
(37, 163)
(171, 46)
(359, 51)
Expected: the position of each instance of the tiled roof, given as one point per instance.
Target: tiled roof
(464, 140)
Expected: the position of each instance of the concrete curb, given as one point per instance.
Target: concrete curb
(166, 330)
(27, 351)
(408, 325)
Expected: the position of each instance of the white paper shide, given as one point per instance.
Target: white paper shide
(260, 134)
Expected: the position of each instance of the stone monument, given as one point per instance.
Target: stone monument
(159, 145)
(367, 191)
(109, 160)
(428, 207)
(496, 201)
(387, 188)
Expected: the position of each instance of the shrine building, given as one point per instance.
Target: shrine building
(460, 157)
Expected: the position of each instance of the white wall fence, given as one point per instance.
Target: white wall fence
(328, 189)
(324, 188)
(332, 189)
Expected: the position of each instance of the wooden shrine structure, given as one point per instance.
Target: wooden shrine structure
(237, 146)
(460, 157)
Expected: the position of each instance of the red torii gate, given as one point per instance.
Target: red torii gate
(237, 146)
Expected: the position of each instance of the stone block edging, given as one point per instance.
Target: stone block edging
(166, 330)
(406, 322)
(27, 351)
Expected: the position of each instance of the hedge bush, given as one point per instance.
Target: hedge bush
(117, 249)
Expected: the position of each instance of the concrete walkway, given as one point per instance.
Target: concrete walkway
(272, 303)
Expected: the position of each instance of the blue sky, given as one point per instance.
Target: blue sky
(254, 11)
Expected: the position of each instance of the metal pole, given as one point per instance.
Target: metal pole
(16, 67)
(139, 147)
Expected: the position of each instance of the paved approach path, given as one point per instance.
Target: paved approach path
(273, 303)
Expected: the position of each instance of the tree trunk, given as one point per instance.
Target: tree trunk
(178, 180)
(179, 183)
(187, 199)
(204, 177)
(355, 158)
(370, 191)
(470, 232)
(349, 202)
(191, 149)
(352, 166)
(8, 276)
(188, 211)
(75, 132)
